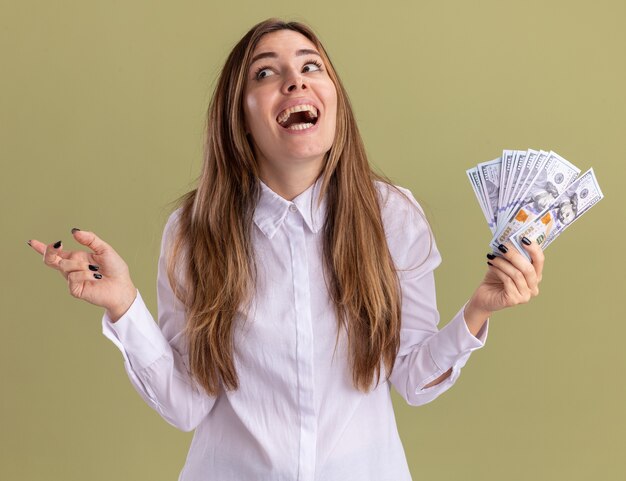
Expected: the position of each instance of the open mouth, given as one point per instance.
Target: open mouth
(299, 117)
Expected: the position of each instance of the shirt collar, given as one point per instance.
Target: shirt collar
(271, 209)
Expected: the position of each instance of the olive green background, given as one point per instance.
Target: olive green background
(102, 120)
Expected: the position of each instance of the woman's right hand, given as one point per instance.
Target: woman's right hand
(106, 283)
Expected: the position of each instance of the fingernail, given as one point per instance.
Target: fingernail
(490, 263)
(28, 242)
(75, 229)
(491, 256)
(98, 276)
(57, 244)
(502, 248)
(93, 268)
(526, 241)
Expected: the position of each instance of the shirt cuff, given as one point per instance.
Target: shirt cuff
(454, 342)
(136, 335)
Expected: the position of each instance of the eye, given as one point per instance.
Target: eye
(259, 71)
(259, 75)
(318, 66)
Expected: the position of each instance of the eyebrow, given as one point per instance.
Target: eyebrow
(302, 51)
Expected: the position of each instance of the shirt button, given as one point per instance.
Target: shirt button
(293, 208)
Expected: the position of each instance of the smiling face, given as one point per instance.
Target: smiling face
(289, 72)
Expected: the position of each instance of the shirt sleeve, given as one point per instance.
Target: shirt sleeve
(425, 351)
(155, 356)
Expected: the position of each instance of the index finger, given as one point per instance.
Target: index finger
(515, 257)
(40, 247)
(536, 254)
(52, 255)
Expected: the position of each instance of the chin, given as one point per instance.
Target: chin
(303, 157)
(303, 151)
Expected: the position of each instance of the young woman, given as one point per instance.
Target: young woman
(295, 285)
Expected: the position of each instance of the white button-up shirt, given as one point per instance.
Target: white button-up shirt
(296, 414)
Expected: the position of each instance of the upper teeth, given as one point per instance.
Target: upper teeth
(284, 115)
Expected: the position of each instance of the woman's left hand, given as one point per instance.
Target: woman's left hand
(510, 280)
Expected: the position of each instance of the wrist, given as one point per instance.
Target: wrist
(474, 309)
(475, 316)
(117, 310)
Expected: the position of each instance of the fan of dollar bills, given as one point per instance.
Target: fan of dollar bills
(533, 194)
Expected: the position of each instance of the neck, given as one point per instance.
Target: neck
(290, 182)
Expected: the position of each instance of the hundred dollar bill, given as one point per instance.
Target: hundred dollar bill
(532, 164)
(472, 175)
(508, 156)
(489, 175)
(505, 172)
(519, 157)
(536, 161)
(570, 205)
(553, 178)
(518, 163)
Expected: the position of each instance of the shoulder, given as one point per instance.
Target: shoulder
(398, 205)
(171, 224)
(165, 256)
(170, 231)
(409, 236)
(173, 217)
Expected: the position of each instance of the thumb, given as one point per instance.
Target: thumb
(91, 240)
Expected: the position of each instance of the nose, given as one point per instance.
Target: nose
(293, 83)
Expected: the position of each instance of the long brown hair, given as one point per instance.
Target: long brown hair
(214, 233)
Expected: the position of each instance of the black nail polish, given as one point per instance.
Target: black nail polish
(93, 268)
(57, 244)
(526, 241)
(28, 242)
(98, 276)
(490, 263)
(502, 248)
(75, 229)
(491, 256)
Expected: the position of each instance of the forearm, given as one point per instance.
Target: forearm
(441, 378)
(475, 318)
(157, 367)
